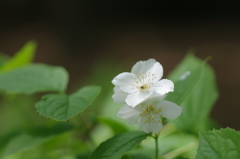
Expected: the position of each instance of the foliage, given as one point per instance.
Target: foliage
(23, 57)
(34, 78)
(84, 130)
(62, 107)
(118, 145)
(197, 107)
(216, 144)
(186, 80)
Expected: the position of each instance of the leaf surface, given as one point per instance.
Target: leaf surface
(185, 78)
(196, 92)
(197, 107)
(219, 144)
(34, 78)
(116, 146)
(63, 107)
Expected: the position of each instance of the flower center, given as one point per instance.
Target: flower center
(151, 114)
(144, 87)
(143, 81)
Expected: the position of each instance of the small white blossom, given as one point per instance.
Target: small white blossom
(148, 114)
(143, 82)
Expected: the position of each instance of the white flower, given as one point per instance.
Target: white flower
(143, 82)
(148, 114)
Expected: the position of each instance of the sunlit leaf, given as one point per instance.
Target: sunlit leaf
(63, 107)
(22, 57)
(116, 146)
(34, 78)
(219, 144)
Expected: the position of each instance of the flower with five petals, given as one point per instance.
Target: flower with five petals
(148, 114)
(143, 82)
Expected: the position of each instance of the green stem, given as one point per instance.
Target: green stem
(192, 145)
(87, 132)
(156, 143)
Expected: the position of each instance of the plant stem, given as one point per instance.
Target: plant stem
(156, 143)
(87, 132)
(192, 145)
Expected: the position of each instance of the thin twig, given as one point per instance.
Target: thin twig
(156, 143)
(87, 132)
(180, 150)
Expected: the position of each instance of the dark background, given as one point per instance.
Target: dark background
(78, 33)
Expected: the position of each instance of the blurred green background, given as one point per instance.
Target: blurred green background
(96, 40)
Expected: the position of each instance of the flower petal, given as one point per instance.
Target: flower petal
(130, 114)
(135, 98)
(124, 81)
(150, 67)
(157, 96)
(163, 86)
(170, 110)
(119, 96)
(153, 127)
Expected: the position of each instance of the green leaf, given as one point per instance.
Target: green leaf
(219, 144)
(189, 62)
(34, 78)
(116, 146)
(25, 141)
(22, 57)
(115, 125)
(196, 94)
(185, 78)
(197, 107)
(63, 107)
